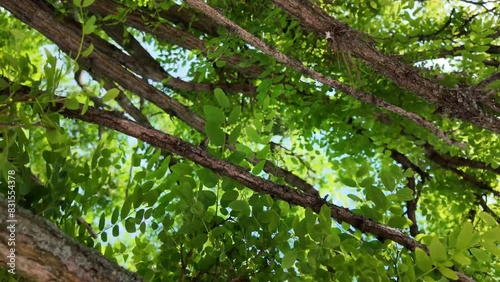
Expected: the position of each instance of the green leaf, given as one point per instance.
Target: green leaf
(423, 260)
(437, 250)
(405, 194)
(221, 98)
(233, 137)
(376, 195)
(448, 273)
(214, 115)
(116, 231)
(388, 179)
(259, 167)
(104, 236)
(331, 241)
(264, 85)
(110, 94)
(215, 134)
(208, 177)
(126, 207)
(89, 25)
(492, 235)
(239, 205)
(114, 216)
(480, 255)
(72, 104)
(130, 225)
(230, 195)
(491, 248)
(325, 215)
(252, 134)
(461, 258)
(480, 48)
(87, 3)
(208, 198)
(89, 50)
(465, 236)
(488, 219)
(397, 221)
(289, 259)
(182, 169)
(234, 115)
(354, 198)
(102, 221)
(220, 63)
(348, 182)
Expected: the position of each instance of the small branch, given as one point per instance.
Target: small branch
(87, 226)
(495, 76)
(468, 178)
(411, 207)
(458, 161)
(487, 209)
(445, 25)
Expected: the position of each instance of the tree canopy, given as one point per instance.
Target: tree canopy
(229, 140)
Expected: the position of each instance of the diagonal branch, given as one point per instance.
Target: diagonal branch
(257, 184)
(459, 103)
(170, 34)
(282, 58)
(200, 156)
(103, 63)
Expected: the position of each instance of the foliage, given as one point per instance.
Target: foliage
(168, 218)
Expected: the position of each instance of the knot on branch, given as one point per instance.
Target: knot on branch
(462, 103)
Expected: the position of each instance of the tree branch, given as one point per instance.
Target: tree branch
(44, 253)
(282, 58)
(459, 103)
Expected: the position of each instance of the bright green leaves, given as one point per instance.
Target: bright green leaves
(214, 115)
(207, 177)
(488, 219)
(289, 259)
(216, 120)
(110, 94)
(240, 206)
(234, 115)
(83, 3)
(423, 260)
(215, 133)
(89, 26)
(465, 236)
(404, 194)
(448, 273)
(437, 250)
(378, 197)
(221, 98)
(388, 179)
(438, 256)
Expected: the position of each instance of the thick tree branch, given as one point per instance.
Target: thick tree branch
(457, 103)
(282, 58)
(472, 180)
(152, 69)
(170, 34)
(458, 161)
(257, 184)
(44, 253)
(67, 37)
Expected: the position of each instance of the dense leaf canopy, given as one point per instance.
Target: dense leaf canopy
(277, 140)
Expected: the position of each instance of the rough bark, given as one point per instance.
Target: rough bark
(44, 253)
